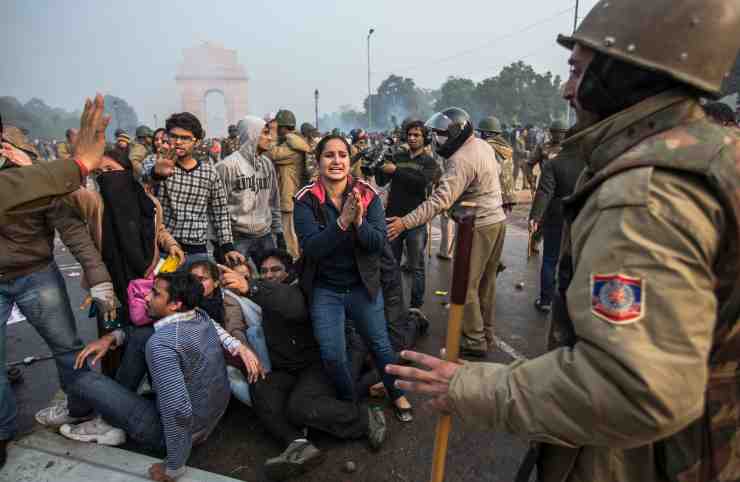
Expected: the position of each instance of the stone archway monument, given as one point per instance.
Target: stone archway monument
(212, 68)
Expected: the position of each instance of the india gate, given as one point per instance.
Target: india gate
(211, 68)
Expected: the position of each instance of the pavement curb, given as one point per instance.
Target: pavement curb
(44, 456)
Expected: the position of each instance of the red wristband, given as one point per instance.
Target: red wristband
(84, 171)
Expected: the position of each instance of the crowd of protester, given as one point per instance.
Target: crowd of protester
(198, 295)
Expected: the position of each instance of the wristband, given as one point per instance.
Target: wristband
(84, 171)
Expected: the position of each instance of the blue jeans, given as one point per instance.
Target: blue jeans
(329, 311)
(133, 362)
(120, 406)
(415, 241)
(43, 300)
(251, 248)
(550, 253)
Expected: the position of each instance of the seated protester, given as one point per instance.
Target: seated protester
(341, 229)
(224, 308)
(404, 326)
(188, 374)
(297, 393)
(127, 227)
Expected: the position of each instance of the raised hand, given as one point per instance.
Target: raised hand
(90, 142)
(165, 163)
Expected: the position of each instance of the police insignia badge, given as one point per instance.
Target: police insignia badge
(618, 299)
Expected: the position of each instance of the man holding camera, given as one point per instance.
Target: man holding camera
(412, 173)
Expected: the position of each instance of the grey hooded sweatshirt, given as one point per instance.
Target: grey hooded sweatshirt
(251, 185)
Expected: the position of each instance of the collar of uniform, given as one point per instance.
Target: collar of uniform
(168, 320)
(606, 140)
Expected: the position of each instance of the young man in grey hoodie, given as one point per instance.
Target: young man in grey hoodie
(252, 192)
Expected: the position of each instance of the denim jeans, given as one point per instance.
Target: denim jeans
(329, 311)
(252, 247)
(415, 241)
(133, 363)
(43, 300)
(550, 253)
(119, 406)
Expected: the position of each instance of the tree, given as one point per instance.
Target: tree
(398, 98)
(123, 116)
(457, 92)
(521, 95)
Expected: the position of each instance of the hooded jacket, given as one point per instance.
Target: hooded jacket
(251, 185)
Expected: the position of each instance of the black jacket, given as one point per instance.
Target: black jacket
(411, 182)
(286, 324)
(558, 180)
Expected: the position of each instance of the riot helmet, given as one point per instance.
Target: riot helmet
(450, 129)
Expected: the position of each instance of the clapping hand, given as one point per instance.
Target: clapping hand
(349, 211)
(360, 210)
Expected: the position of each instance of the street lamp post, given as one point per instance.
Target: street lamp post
(316, 106)
(369, 92)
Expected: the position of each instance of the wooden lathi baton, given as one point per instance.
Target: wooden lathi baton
(458, 293)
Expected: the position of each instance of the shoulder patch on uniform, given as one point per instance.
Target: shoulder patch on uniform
(617, 298)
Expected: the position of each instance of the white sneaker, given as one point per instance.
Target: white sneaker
(95, 430)
(58, 414)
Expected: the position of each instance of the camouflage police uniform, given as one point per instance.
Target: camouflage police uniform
(231, 144)
(200, 151)
(491, 128)
(138, 151)
(64, 150)
(289, 157)
(642, 383)
(544, 152)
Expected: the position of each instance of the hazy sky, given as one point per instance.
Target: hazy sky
(62, 51)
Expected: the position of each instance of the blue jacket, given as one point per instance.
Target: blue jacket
(332, 257)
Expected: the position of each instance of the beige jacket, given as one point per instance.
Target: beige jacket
(471, 175)
(627, 382)
(289, 157)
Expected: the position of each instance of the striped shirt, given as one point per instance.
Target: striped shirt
(188, 373)
(190, 199)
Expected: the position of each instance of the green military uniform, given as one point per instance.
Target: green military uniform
(641, 383)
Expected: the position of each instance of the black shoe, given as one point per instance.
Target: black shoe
(297, 459)
(541, 306)
(376, 427)
(404, 415)
(3, 452)
(15, 375)
(466, 352)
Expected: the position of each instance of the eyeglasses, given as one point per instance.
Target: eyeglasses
(175, 138)
(272, 269)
